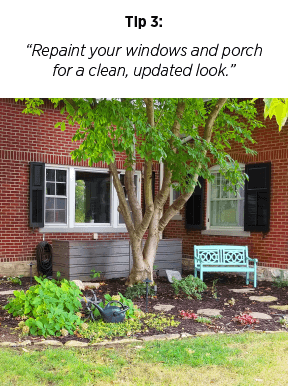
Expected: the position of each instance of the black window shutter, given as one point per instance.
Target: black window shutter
(194, 208)
(37, 189)
(257, 198)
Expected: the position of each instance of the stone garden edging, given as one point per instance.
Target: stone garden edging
(76, 343)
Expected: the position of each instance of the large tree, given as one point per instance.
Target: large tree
(187, 135)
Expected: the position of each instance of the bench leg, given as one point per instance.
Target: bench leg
(201, 275)
(195, 272)
(255, 277)
(247, 278)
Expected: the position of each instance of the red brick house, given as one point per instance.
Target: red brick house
(30, 146)
(258, 217)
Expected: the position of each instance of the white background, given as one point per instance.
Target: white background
(184, 23)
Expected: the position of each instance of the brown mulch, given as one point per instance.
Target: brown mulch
(166, 295)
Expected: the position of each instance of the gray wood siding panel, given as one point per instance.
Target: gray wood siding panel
(75, 259)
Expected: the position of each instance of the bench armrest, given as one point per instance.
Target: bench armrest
(254, 260)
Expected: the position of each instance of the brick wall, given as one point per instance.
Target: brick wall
(26, 138)
(270, 248)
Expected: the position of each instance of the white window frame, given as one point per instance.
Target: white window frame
(219, 230)
(70, 226)
(176, 216)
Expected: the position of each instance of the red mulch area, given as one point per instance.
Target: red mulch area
(165, 295)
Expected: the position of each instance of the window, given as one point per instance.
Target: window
(81, 199)
(174, 194)
(225, 209)
(92, 197)
(56, 196)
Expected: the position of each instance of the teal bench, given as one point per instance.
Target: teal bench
(223, 258)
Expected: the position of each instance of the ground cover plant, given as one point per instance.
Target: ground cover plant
(236, 360)
(138, 290)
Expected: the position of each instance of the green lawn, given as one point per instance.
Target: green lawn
(242, 360)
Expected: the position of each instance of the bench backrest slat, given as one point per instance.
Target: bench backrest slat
(221, 254)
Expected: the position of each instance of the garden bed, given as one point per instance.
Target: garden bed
(166, 296)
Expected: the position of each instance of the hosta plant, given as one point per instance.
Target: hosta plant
(48, 307)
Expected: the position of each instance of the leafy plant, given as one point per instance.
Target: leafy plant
(202, 319)
(14, 279)
(280, 282)
(190, 286)
(284, 322)
(48, 307)
(188, 315)
(94, 274)
(245, 319)
(138, 290)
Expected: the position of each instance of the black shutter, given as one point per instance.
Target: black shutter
(37, 189)
(257, 198)
(194, 208)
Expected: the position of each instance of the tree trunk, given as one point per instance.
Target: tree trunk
(143, 261)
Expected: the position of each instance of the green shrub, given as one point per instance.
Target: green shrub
(138, 290)
(280, 282)
(48, 307)
(190, 286)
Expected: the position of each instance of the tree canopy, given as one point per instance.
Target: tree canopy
(187, 135)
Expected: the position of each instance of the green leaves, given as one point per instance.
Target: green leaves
(190, 286)
(50, 305)
(277, 107)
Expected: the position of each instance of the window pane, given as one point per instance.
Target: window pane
(50, 188)
(224, 213)
(49, 216)
(61, 203)
(176, 194)
(50, 175)
(92, 197)
(50, 203)
(60, 216)
(60, 189)
(61, 175)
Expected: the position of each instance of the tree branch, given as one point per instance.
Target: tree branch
(125, 211)
(182, 199)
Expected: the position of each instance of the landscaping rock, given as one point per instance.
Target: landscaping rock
(8, 344)
(281, 308)
(10, 292)
(163, 307)
(48, 342)
(75, 343)
(242, 290)
(91, 285)
(107, 342)
(80, 284)
(203, 333)
(160, 337)
(170, 274)
(260, 315)
(209, 311)
(264, 299)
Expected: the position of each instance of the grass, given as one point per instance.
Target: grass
(240, 360)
